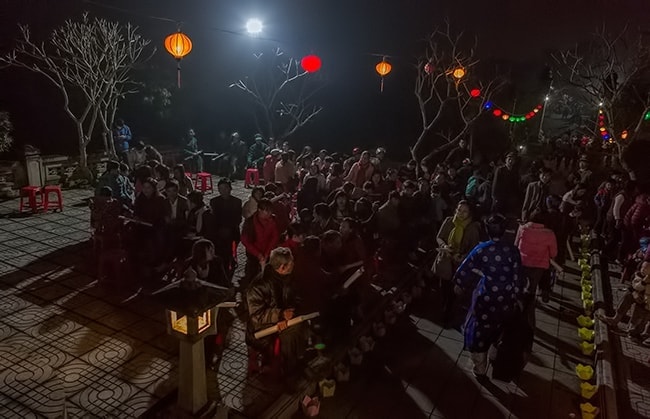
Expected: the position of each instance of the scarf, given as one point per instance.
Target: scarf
(457, 233)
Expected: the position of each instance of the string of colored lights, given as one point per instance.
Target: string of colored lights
(507, 116)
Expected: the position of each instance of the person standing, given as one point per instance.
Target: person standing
(505, 187)
(259, 236)
(537, 246)
(536, 193)
(491, 272)
(122, 137)
(227, 214)
(192, 151)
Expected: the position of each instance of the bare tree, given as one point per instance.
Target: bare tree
(5, 132)
(446, 75)
(283, 94)
(610, 72)
(89, 61)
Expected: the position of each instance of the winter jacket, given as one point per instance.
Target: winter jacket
(637, 216)
(259, 236)
(537, 245)
(536, 193)
(267, 297)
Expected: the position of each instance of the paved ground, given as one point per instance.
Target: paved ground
(63, 338)
(66, 340)
(634, 373)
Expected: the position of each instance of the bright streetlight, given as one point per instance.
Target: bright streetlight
(254, 26)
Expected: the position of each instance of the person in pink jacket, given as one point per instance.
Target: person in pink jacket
(538, 246)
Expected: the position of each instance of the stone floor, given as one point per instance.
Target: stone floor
(634, 375)
(65, 341)
(419, 370)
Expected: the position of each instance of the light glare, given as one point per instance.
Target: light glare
(254, 26)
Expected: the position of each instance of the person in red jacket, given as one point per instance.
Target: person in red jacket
(259, 236)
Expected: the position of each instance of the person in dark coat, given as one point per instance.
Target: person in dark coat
(227, 216)
(536, 193)
(505, 188)
(456, 157)
(271, 302)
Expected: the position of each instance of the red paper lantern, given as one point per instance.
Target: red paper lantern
(497, 112)
(428, 68)
(475, 93)
(527, 116)
(311, 63)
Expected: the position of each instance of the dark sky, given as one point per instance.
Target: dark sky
(343, 33)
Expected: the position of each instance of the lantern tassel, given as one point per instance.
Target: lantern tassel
(381, 85)
(178, 74)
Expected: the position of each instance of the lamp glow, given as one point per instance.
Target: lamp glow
(254, 26)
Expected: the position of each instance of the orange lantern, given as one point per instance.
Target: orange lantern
(458, 73)
(383, 68)
(178, 45)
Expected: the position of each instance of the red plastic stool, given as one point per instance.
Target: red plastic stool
(252, 176)
(52, 189)
(203, 182)
(271, 360)
(34, 197)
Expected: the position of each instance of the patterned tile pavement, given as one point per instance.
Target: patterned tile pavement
(65, 340)
(635, 362)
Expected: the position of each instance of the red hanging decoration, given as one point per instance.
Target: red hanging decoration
(311, 63)
(497, 112)
(428, 68)
(475, 93)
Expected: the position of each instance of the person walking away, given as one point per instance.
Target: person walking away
(537, 246)
(536, 193)
(458, 235)
(603, 201)
(491, 272)
(622, 202)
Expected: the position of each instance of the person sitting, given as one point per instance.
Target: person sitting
(408, 171)
(308, 196)
(185, 185)
(285, 171)
(129, 187)
(295, 236)
(270, 301)
(115, 181)
(250, 206)
(256, 153)
(388, 219)
(259, 236)
(334, 178)
(341, 207)
(268, 168)
(361, 171)
(323, 220)
(314, 172)
(353, 252)
(313, 286)
(162, 175)
(198, 223)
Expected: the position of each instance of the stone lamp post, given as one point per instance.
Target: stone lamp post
(191, 315)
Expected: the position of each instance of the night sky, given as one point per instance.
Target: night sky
(516, 34)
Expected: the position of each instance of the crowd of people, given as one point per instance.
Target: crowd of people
(500, 233)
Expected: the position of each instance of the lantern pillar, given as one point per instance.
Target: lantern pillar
(192, 387)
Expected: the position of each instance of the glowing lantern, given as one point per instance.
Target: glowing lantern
(475, 93)
(497, 112)
(428, 68)
(458, 73)
(505, 117)
(311, 63)
(383, 68)
(602, 129)
(624, 135)
(178, 45)
(535, 110)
